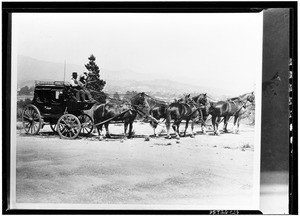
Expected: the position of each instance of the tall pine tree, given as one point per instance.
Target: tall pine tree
(93, 82)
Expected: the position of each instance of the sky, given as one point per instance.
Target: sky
(217, 50)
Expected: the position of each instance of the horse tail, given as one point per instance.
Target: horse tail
(200, 114)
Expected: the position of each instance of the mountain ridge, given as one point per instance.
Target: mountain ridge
(30, 69)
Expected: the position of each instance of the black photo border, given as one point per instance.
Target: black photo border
(139, 7)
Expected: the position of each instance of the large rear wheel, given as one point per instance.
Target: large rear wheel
(68, 126)
(32, 120)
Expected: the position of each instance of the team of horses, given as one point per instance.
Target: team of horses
(189, 109)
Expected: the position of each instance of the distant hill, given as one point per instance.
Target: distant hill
(30, 69)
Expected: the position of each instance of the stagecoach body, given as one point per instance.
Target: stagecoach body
(54, 104)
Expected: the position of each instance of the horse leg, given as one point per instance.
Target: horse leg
(225, 124)
(203, 128)
(154, 125)
(125, 129)
(236, 124)
(168, 124)
(99, 129)
(130, 130)
(192, 128)
(175, 127)
(217, 126)
(186, 126)
(107, 135)
(213, 121)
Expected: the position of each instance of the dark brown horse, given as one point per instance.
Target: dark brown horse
(118, 111)
(157, 110)
(232, 107)
(201, 102)
(184, 109)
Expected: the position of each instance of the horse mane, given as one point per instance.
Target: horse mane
(156, 100)
(210, 99)
(240, 98)
(197, 96)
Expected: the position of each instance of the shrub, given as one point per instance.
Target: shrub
(20, 106)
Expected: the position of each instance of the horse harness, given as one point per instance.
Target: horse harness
(243, 105)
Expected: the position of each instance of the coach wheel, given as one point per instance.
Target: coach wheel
(32, 121)
(68, 126)
(87, 124)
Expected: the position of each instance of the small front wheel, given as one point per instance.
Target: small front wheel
(87, 125)
(68, 126)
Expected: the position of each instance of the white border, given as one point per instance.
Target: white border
(41, 206)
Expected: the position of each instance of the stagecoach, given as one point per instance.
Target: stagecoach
(54, 104)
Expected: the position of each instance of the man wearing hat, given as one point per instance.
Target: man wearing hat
(80, 95)
(79, 86)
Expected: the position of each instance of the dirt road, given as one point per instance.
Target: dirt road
(204, 171)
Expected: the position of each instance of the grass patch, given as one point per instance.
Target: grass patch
(246, 146)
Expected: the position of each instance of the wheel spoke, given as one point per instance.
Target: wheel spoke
(25, 117)
(36, 117)
(35, 126)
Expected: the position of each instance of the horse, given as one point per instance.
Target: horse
(232, 107)
(157, 111)
(201, 101)
(119, 111)
(184, 109)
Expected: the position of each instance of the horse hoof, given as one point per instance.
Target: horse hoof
(107, 136)
(178, 137)
(147, 138)
(192, 136)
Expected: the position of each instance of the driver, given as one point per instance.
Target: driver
(79, 93)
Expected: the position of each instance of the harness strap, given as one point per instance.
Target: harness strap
(234, 112)
(147, 116)
(107, 120)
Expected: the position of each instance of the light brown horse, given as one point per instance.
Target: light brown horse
(232, 107)
(184, 109)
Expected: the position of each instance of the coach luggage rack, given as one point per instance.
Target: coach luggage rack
(51, 83)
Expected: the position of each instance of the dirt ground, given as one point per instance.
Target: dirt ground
(205, 171)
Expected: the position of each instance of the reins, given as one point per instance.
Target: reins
(107, 120)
